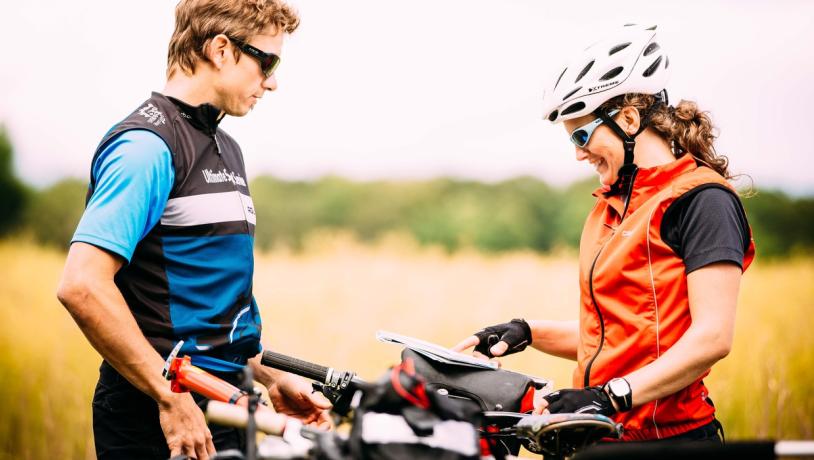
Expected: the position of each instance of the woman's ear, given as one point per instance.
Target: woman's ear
(630, 119)
(215, 50)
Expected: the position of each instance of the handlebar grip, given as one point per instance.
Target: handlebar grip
(295, 366)
(235, 416)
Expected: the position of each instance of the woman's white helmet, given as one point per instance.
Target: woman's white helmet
(630, 61)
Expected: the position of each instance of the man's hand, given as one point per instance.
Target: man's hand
(185, 428)
(294, 396)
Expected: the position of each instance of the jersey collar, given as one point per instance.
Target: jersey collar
(649, 181)
(204, 117)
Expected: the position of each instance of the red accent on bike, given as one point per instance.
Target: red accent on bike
(527, 403)
(486, 444)
(185, 377)
(419, 396)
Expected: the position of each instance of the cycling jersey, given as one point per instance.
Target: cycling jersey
(634, 302)
(168, 193)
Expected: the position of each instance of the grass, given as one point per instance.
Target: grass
(326, 303)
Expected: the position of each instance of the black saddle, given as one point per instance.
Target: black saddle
(492, 389)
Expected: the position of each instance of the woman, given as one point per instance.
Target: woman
(661, 254)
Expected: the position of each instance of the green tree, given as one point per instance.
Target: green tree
(781, 225)
(53, 213)
(13, 193)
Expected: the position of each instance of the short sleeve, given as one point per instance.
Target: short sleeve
(708, 226)
(133, 178)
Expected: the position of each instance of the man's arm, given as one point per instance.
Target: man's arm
(133, 177)
(89, 294)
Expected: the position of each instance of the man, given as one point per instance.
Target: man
(164, 250)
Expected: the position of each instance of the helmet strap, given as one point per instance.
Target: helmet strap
(627, 172)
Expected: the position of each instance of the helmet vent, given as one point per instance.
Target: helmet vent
(560, 77)
(618, 48)
(584, 71)
(653, 67)
(611, 73)
(571, 93)
(573, 108)
(666, 62)
(651, 48)
(552, 116)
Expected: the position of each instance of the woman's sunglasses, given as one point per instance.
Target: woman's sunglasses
(582, 135)
(268, 61)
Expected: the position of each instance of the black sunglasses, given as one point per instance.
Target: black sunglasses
(268, 61)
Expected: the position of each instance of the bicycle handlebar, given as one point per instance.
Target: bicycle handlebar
(337, 386)
(296, 366)
(237, 416)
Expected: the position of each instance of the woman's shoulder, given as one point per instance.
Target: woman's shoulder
(708, 224)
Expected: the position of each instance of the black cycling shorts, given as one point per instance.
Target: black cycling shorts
(125, 420)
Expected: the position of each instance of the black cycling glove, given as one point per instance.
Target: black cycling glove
(591, 400)
(516, 334)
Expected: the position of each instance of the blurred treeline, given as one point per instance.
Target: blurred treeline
(522, 213)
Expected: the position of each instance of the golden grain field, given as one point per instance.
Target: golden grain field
(326, 303)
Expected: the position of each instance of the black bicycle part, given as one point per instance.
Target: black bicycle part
(338, 386)
(251, 424)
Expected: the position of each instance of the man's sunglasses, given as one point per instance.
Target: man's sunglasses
(268, 61)
(582, 135)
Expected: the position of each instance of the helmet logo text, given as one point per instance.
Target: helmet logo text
(594, 88)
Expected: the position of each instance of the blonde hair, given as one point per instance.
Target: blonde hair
(686, 128)
(198, 21)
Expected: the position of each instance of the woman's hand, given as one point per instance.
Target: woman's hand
(498, 340)
(591, 400)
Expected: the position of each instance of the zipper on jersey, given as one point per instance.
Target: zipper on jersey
(234, 185)
(217, 144)
(587, 376)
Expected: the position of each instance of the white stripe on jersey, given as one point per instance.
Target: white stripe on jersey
(209, 208)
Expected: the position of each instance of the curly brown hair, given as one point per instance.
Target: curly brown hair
(198, 21)
(684, 126)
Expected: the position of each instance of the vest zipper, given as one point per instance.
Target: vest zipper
(217, 144)
(234, 185)
(587, 377)
(248, 298)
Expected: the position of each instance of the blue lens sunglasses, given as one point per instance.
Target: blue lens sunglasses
(582, 135)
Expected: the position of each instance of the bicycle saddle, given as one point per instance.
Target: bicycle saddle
(492, 389)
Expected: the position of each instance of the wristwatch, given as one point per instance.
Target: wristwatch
(619, 391)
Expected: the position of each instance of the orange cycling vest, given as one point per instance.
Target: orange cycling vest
(633, 296)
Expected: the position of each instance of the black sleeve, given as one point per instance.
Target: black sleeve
(705, 226)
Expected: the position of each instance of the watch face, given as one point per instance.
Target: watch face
(619, 387)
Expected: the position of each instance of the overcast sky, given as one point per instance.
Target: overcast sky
(374, 89)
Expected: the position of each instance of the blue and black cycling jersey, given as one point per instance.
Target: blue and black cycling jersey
(168, 193)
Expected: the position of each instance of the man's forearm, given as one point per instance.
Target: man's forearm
(103, 316)
(263, 374)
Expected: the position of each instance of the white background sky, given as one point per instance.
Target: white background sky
(373, 89)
